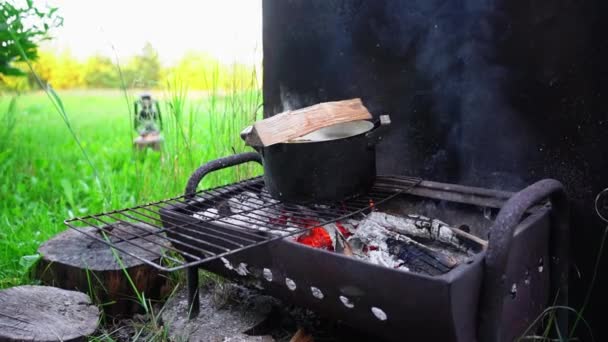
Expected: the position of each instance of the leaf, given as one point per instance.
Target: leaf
(27, 261)
(57, 100)
(68, 192)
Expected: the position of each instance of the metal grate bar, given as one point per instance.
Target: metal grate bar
(213, 223)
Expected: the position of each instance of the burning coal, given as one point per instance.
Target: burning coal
(406, 242)
(398, 242)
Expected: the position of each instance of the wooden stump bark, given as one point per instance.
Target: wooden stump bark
(72, 260)
(43, 313)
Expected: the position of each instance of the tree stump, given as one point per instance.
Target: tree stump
(72, 260)
(44, 313)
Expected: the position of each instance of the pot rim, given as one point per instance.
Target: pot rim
(335, 132)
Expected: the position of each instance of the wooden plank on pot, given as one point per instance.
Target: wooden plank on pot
(296, 123)
(44, 313)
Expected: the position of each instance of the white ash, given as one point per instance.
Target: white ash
(368, 237)
(210, 213)
(246, 201)
(374, 236)
(383, 258)
(241, 211)
(412, 225)
(377, 227)
(242, 269)
(227, 263)
(267, 274)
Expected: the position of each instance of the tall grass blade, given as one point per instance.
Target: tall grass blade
(57, 103)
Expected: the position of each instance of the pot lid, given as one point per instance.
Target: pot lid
(337, 131)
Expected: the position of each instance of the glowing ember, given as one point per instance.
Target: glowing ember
(317, 237)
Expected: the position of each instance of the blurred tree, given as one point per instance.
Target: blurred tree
(197, 70)
(60, 70)
(100, 72)
(143, 71)
(22, 28)
(202, 71)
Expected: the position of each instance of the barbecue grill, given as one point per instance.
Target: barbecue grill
(493, 296)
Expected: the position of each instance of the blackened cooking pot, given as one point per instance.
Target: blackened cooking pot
(329, 164)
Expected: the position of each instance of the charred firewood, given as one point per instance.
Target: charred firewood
(416, 226)
(420, 258)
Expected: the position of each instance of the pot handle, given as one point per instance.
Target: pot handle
(376, 134)
(219, 164)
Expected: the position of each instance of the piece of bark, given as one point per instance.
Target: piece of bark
(74, 261)
(301, 336)
(296, 123)
(44, 313)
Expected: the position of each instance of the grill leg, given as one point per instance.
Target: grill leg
(193, 296)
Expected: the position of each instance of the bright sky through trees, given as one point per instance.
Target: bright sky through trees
(230, 30)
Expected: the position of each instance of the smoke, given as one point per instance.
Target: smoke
(456, 44)
(289, 100)
(393, 53)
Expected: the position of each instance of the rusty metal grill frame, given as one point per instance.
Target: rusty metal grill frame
(187, 249)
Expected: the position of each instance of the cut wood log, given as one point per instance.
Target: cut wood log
(296, 123)
(44, 313)
(74, 261)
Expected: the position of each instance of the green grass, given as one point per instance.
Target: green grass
(45, 177)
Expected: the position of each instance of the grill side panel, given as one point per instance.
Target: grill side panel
(416, 307)
(528, 275)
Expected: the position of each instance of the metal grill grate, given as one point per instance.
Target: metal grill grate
(217, 222)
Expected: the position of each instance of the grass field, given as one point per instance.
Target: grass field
(45, 177)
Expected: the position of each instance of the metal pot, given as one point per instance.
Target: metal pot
(329, 164)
